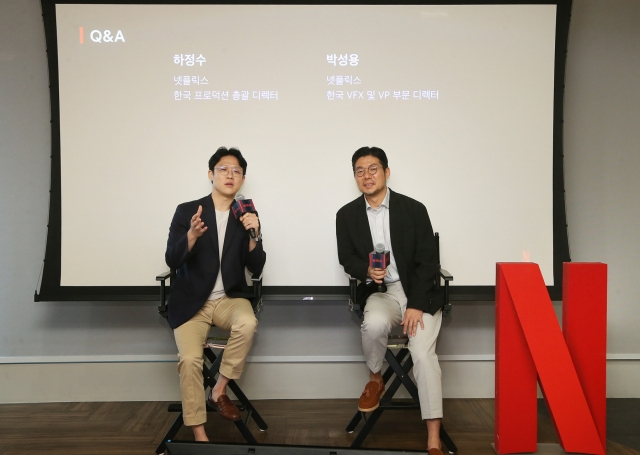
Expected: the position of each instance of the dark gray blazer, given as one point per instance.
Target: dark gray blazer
(197, 270)
(412, 240)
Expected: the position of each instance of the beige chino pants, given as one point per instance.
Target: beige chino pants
(382, 313)
(235, 315)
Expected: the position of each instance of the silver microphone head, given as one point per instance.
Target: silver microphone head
(239, 197)
(379, 248)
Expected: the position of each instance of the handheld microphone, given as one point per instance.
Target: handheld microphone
(242, 206)
(379, 259)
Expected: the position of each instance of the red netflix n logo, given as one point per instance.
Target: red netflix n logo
(569, 364)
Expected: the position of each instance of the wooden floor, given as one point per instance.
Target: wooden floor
(137, 427)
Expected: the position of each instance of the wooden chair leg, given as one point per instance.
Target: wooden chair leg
(401, 371)
(175, 427)
(447, 441)
(209, 380)
(257, 418)
(371, 421)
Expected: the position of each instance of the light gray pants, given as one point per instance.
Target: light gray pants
(382, 313)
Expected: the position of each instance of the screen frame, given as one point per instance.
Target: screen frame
(49, 288)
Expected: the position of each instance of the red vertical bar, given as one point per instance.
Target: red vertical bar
(584, 325)
(516, 394)
(81, 35)
(558, 377)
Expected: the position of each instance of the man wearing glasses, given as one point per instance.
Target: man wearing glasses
(403, 226)
(209, 249)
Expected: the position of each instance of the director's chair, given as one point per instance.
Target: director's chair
(211, 370)
(400, 365)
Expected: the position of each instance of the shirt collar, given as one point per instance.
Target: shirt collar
(385, 201)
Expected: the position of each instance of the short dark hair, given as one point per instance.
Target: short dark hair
(223, 151)
(370, 151)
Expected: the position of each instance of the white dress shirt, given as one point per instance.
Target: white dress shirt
(221, 223)
(381, 233)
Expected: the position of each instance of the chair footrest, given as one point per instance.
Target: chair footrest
(403, 406)
(177, 407)
(398, 346)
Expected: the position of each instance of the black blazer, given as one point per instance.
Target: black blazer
(197, 270)
(412, 240)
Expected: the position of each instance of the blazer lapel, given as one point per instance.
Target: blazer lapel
(209, 218)
(395, 226)
(363, 225)
(233, 225)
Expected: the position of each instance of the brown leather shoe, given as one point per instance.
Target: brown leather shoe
(435, 451)
(370, 398)
(225, 408)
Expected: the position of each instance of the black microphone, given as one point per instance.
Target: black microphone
(379, 259)
(242, 206)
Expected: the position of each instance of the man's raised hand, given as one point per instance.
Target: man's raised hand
(197, 226)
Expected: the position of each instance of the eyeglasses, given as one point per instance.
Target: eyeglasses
(373, 168)
(230, 170)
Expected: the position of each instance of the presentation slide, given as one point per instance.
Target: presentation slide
(459, 96)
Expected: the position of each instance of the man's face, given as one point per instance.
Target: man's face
(227, 176)
(371, 184)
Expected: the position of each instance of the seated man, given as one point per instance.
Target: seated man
(403, 226)
(209, 249)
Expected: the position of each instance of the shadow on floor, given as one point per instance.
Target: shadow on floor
(623, 421)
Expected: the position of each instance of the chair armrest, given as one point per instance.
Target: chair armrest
(446, 309)
(256, 277)
(445, 275)
(353, 302)
(164, 276)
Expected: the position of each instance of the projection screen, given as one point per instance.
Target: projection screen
(463, 98)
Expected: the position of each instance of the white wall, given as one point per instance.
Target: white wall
(602, 154)
(304, 350)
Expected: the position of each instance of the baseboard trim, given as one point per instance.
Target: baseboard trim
(251, 359)
(158, 381)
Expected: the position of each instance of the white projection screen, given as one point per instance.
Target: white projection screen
(462, 98)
